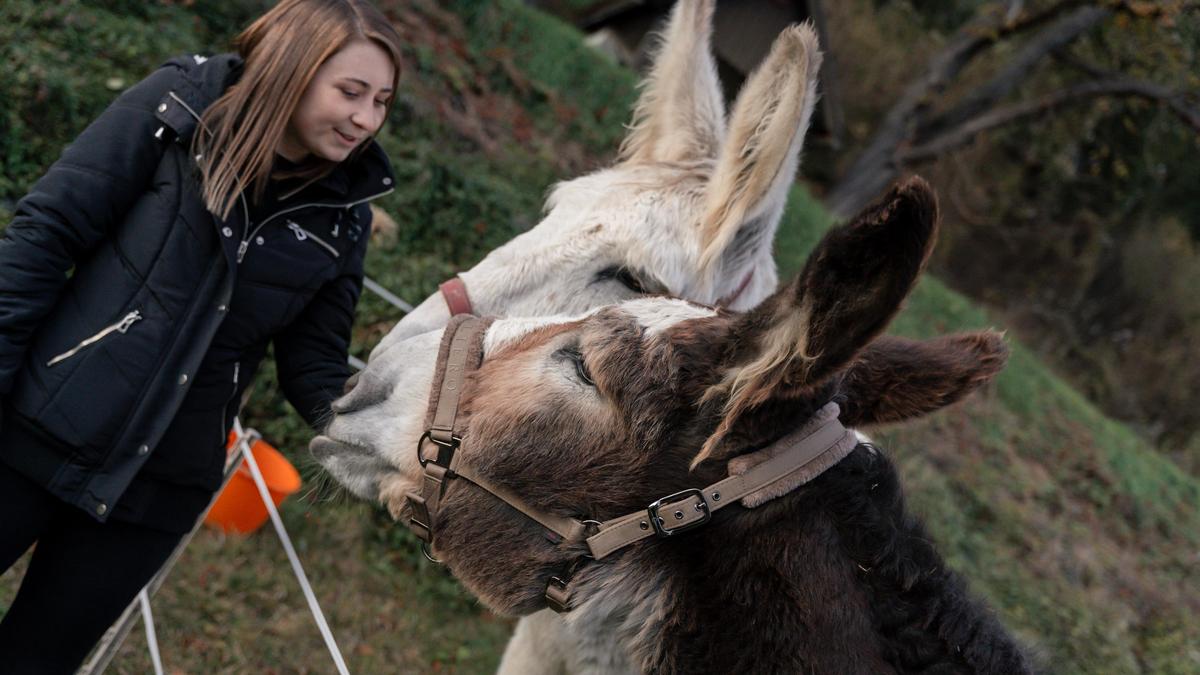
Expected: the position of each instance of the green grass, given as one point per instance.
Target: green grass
(1081, 537)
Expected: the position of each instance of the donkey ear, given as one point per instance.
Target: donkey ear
(680, 115)
(749, 188)
(896, 379)
(859, 274)
(852, 285)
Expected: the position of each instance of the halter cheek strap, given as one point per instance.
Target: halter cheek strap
(461, 352)
(795, 459)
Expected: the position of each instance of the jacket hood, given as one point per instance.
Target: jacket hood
(201, 82)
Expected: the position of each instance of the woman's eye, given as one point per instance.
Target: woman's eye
(349, 94)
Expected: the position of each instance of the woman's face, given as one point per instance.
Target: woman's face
(344, 104)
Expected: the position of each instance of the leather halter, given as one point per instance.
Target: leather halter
(462, 351)
(454, 292)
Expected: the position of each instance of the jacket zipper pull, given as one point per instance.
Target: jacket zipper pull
(128, 320)
(301, 235)
(242, 248)
(118, 327)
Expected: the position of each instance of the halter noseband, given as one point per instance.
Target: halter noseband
(461, 353)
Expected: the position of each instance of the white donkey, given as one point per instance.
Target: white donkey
(690, 209)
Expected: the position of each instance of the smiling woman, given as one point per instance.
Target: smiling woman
(345, 103)
(215, 208)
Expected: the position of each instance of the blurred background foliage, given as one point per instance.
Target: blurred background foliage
(1078, 225)
(1075, 229)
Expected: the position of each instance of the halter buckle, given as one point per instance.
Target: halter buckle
(658, 523)
(558, 594)
(445, 450)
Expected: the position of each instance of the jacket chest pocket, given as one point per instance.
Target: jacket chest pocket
(294, 254)
(115, 328)
(305, 235)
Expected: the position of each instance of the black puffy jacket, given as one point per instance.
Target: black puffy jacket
(131, 318)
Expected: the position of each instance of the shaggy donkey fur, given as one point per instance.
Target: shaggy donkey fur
(595, 417)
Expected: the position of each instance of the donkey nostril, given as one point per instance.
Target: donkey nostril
(362, 391)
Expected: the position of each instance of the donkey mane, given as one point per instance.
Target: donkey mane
(925, 611)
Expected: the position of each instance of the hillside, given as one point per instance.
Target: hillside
(1083, 539)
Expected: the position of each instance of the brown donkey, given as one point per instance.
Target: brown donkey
(571, 428)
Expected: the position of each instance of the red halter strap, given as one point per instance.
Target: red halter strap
(455, 293)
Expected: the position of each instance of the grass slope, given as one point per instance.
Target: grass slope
(1079, 535)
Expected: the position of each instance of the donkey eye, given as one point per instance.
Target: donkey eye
(624, 276)
(581, 369)
(630, 281)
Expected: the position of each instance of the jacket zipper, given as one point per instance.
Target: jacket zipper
(118, 327)
(302, 234)
(245, 243)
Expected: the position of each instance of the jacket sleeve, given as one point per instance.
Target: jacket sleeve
(71, 210)
(311, 353)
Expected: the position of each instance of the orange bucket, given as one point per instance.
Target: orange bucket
(239, 508)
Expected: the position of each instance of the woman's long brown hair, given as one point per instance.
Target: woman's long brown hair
(282, 51)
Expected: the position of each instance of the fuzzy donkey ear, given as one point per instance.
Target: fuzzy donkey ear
(749, 187)
(852, 285)
(680, 115)
(896, 379)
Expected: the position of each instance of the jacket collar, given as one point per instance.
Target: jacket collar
(201, 81)
(366, 176)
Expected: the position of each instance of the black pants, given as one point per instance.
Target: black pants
(82, 576)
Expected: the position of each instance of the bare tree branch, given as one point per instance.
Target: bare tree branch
(1055, 37)
(1015, 7)
(961, 135)
(875, 167)
(1066, 57)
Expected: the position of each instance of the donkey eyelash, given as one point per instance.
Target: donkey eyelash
(622, 275)
(573, 355)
